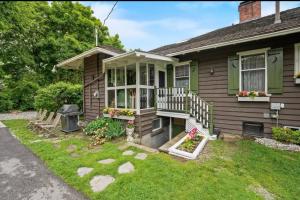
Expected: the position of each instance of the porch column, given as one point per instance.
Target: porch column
(170, 129)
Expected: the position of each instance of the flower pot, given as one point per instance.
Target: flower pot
(129, 133)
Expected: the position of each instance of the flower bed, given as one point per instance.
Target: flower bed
(123, 114)
(253, 96)
(190, 145)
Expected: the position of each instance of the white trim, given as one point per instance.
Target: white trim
(297, 58)
(248, 39)
(249, 53)
(160, 124)
(174, 72)
(172, 114)
(255, 99)
(68, 63)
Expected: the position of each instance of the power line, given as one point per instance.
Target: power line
(110, 12)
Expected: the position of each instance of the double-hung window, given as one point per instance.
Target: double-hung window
(253, 71)
(182, 75)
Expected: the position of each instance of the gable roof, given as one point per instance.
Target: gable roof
(261, 28)
(77, 61)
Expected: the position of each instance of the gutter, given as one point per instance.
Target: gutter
(238, 41)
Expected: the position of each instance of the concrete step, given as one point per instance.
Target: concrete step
(167, 145)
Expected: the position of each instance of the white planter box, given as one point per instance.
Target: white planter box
(120, 117)
(297, 80)
(174, 151)
(255, 99)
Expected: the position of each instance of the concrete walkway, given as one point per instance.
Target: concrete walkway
(24, 176)
(18, 115)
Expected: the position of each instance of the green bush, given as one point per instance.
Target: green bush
(55, 95)
(286, 135)
(105, 127)
(23, 94)
(5, 102)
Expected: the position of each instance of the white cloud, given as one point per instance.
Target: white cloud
(268, 7)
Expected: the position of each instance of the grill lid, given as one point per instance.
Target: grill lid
(68, 108)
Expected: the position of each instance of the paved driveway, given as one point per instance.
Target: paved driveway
(23, 175)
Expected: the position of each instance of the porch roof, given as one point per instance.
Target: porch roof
(77, 61)
(134, 56)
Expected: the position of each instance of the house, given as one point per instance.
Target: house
(199, 82)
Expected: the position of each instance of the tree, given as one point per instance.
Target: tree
(35, 36)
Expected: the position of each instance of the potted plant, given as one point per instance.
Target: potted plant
(130, 130)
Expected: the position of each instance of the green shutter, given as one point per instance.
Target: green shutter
(170, 75)
(233, 75)
(275, 71)
(194, 76)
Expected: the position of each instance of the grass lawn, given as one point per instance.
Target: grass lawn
(225, 171)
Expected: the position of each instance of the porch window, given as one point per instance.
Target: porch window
(253, 71)
(147, 79)
(121, 84)
(182, 74)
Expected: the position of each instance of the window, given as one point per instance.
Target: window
(253, 71)
(182, 74)
(156, 124)
(147, 80)
(121, 84)
(297, 58)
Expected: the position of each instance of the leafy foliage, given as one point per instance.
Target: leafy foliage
(55, 95)
(105, 128)
(23, 94)
(35, 36)
(286, 135)
(5, 103)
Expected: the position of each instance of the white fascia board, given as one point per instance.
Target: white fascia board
(86, 54)
(248, 39)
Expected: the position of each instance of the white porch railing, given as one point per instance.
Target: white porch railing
(184, 101)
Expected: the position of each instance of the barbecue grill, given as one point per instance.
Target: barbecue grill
(69, 119)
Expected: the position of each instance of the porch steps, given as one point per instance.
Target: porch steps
(166, 146)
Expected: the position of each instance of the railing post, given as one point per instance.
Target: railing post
(186, 100)
(155, 98)
(211, 125)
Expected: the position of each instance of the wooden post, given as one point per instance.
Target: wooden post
(211, 125)
(155, 98)
(186, 100)
(170, 129)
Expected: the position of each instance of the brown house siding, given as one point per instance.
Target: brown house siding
(229, 113)
(92, 105)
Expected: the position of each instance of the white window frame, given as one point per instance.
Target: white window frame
(137, 86)
(160, 124)
(178, 65)
(249, 53)
(115, 88)
(297, 58)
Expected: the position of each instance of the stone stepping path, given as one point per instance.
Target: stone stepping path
(106, 161)
(71, 148)
(141, 156)
(99, 183)
(128, 153)
(83, 171)
(126, 168)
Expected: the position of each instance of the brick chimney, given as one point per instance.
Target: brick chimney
(249, 10)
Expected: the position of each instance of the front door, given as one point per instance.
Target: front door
(162, 79)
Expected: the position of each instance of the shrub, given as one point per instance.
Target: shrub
(5, 101)
(55, 95)
(95, 127)
(105, 128)
(286, 135)
(23, 94)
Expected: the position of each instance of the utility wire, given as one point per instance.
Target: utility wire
(110, 12)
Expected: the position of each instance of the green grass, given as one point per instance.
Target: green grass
(226, 173)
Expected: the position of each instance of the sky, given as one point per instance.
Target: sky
(148, 25)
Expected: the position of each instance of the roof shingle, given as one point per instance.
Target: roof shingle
(289, 19)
